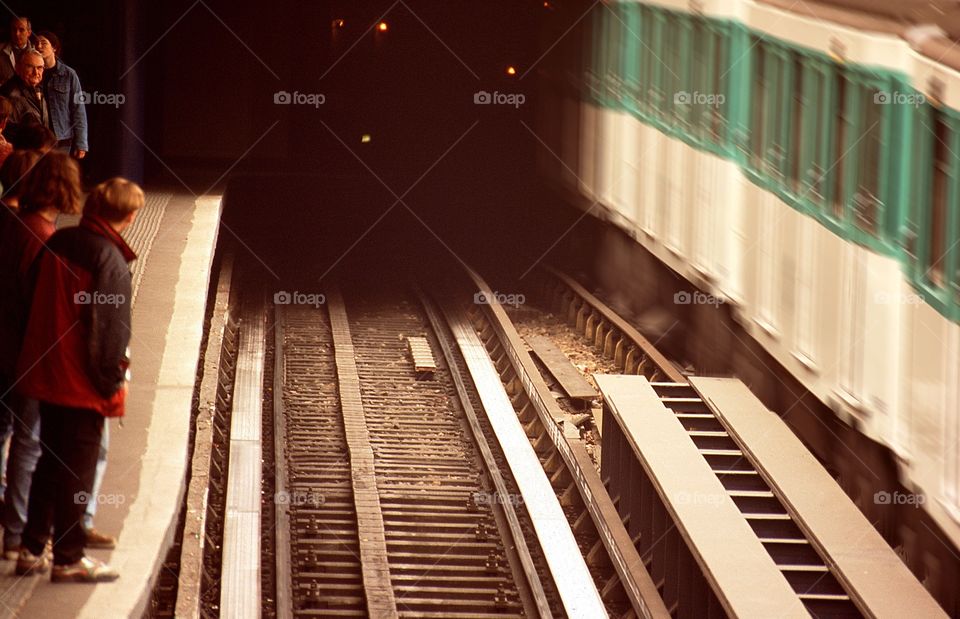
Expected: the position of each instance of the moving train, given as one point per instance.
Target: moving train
(797, 164)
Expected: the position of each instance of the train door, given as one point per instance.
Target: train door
(951, 424)
(853, 329)
(768, 247)
(806, 313)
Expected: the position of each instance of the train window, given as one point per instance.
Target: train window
(597, 54)
(658, 67)
(631, 61)
(936, 225)
(717, 112)
(815, 125)
(615, 46)
(838, 167)
(759, 115)
(700, 78)
(647, 60)
(867, 200)
(797, 111)
(672, 84)
(777, 112)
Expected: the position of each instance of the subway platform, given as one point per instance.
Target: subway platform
(174, 237)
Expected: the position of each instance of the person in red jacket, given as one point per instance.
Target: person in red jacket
(74, 362)
(52, 187)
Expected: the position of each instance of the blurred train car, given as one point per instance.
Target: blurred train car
(798, 164)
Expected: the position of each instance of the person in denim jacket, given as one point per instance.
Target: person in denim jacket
(65, 97)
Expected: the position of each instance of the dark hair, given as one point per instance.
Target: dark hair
(6, 110)
(32, 136)
(54, 181)
(14, 170)
(54, 40)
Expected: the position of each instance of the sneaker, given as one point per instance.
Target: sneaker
(96, 539)
(86, 569)
(29, 563)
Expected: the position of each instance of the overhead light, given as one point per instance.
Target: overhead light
(339, 23)
(365, 138)
(382, 26)
(511, 70)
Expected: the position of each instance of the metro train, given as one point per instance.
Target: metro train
(799, 168)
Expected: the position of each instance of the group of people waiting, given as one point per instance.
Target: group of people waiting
(43, 92)
(64, 315)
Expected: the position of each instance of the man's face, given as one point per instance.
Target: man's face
(19, 32)
(30, 69)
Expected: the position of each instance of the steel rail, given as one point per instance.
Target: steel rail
(516, 531)
(616, 541)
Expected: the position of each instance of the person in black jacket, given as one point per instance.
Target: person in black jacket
(25, 91)
(74, 362)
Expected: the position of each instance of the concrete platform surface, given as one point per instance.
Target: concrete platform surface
(175, 238)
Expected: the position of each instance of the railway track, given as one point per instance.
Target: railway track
(390, 500)
(399, 489)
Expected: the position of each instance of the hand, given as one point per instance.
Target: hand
(79, 154)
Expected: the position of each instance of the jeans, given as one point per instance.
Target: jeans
(98, 477)
(70, 443)
(8, 402)
(24, 453)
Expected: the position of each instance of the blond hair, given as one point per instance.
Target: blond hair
(114, 199)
